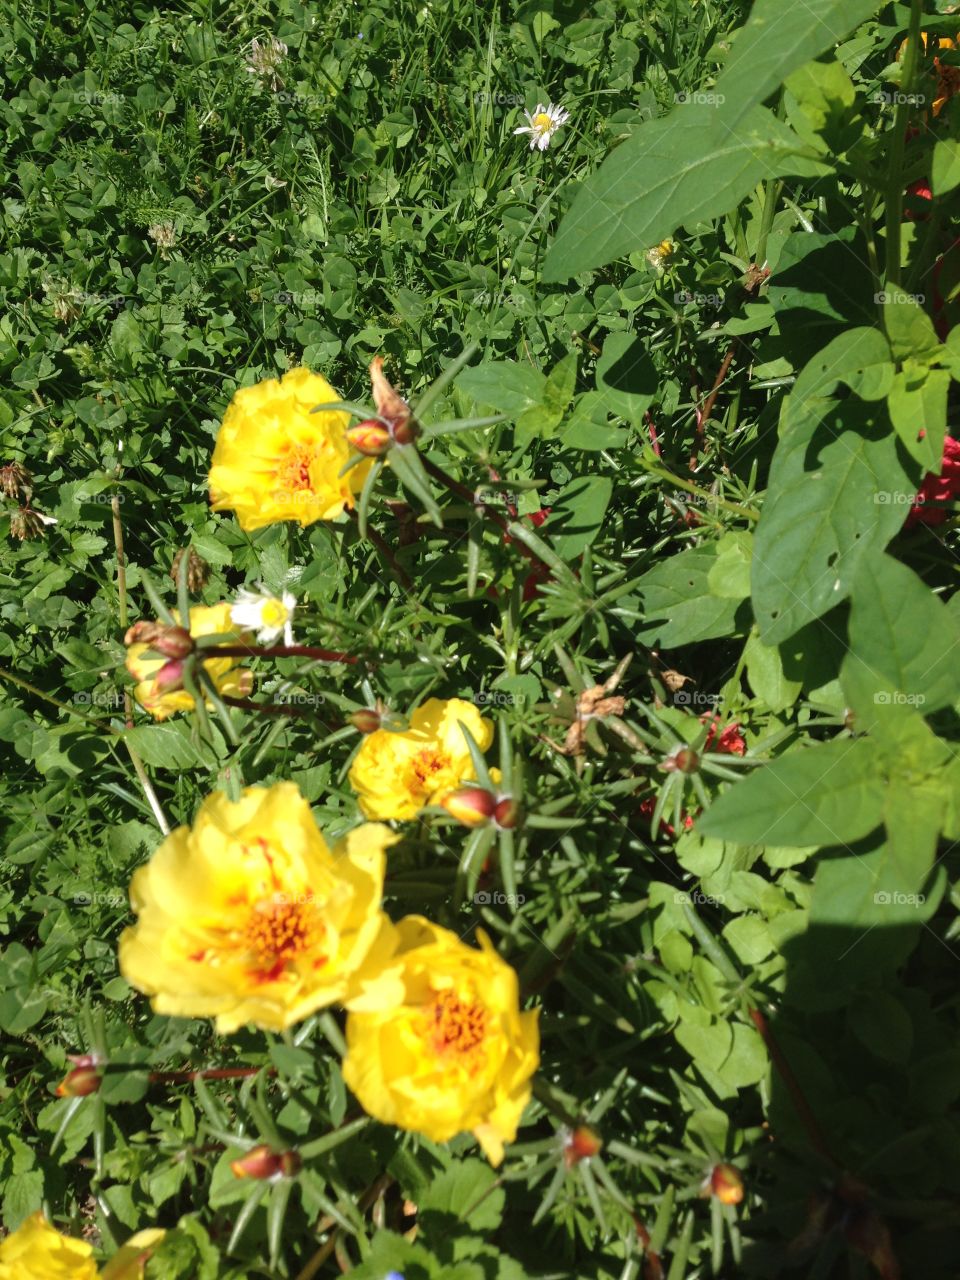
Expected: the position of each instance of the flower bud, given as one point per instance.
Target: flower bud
(580, 1144)
(470, 805)
(405, 432)
(264, 1163)
(15, 479)
(170, 641)
(507, 812)
(726, 1184)
(198, 571)
(683, 760)
(366, 720)
(370, 438)
(79, 1082)
(170, 676)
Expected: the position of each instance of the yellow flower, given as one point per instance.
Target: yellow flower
(457, 1054)
(395, 775)
(130, 1261)
(275, 460)
(948, 77)
(248, 917)
(229, 679)
(37, 1251)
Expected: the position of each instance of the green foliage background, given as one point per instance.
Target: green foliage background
(774, 987)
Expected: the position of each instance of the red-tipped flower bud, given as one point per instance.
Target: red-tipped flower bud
(472, 806)
(370, 438)
(726, 1183)
(580, 1144)
(170, 641)
(684, 760)
(367, 720)
(507, 812)
(264, 1163)
(80, 1082)
(170, 677)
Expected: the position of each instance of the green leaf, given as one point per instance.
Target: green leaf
(677, 604)
(168, 745)
(882, 1025)
(823, 795)
(766, 676)
(945, 174)
(918, 410)
(626, 376)
(822, 282)
(908, 327)
(686, 168)
(778, 38)
(467, 1195)
(860, 358)
(903, 641)
(504, 385)
(578, 514)
(729, 577)
(837, 490)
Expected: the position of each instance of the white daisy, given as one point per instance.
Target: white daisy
(269, 616)
(543, 124)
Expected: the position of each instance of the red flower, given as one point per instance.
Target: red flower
(914, 210)
(731, 741)
(937, 489)
(647, 807)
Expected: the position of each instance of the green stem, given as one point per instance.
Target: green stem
(898, 144)
(748, 513)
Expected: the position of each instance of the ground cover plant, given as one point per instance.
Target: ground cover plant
(480, 643)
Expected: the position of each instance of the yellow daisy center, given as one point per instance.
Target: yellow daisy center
(542, 121)
(274, 613)
(454, 1026)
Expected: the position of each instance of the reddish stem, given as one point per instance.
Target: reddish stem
(804, 1110)
(274, 651)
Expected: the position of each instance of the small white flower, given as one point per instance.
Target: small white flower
(269, 616)
(543, 124)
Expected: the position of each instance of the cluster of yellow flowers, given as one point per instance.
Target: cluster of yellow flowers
(249, 917)
(37, 1251)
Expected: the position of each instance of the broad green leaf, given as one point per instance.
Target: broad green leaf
(678, 606)
(823, 795)
(823, 281)
(689, 167)
(837, 489)
(945, 175)
(908, 327)
(918, 411)
(589, 427)
(778, 38)
(169, 745)
(466, 1194)
(766, 677)
(903, 638)
(860, 358)
(729, 578)
(822, 94)
(503, 385)
(882, 1025)
(578, 514)
(626, 376)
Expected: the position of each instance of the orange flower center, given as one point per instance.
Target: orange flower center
(294, 472)
(425, 765)
(279, 931)
(455, 1026)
